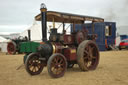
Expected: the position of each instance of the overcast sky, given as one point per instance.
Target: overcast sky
(18, 15)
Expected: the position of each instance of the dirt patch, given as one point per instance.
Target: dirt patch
(112, 70)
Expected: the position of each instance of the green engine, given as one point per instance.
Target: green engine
(29, 47)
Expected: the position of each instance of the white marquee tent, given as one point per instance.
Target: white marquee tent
(36, 31)
(2, 39)
(3, 44)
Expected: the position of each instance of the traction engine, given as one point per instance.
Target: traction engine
(63, 50)
(14, 45)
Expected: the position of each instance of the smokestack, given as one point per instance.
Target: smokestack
(43, 10)
(29, 35)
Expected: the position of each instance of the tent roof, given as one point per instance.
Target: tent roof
(68, 17)
(2, 39)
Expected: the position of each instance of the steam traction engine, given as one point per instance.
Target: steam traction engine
(14, 45)
(63, 50)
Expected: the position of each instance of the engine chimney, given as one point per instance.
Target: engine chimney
(43, 10)
(29, 35)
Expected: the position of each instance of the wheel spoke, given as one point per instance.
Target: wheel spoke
(30, 66)
(52, 64)
(61, 61)
(85, 58)
(38, 65)
(53, 69)
(57, 57)
(33, 69)
(56, 60)
(59, 70)
(61, 64)
(37, 68)
(90, 51)
(86, 53)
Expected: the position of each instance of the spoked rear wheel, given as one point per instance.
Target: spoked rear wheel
(33, 65)
(57, 65)
(88, 55)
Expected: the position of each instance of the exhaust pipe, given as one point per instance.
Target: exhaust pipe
(43, 10)
(29, 35)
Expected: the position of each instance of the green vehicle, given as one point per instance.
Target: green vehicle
(27, 48)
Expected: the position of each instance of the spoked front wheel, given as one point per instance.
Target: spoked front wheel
(33, 65)
(57, 65)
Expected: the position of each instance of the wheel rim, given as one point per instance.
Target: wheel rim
(11, 48)
(91, 56)
(57, 66)
(33, 65)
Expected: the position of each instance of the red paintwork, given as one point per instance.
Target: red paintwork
(69, 39)
(124, 43)
(80, 36)
(70, 54)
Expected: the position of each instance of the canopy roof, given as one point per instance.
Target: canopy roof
(68, 18)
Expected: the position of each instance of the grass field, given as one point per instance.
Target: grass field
(112, 70)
